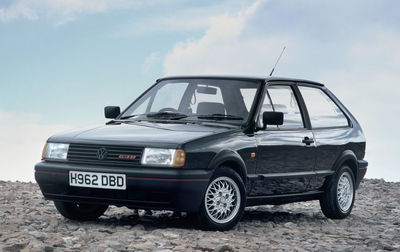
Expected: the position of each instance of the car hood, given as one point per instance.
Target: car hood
(149, 134)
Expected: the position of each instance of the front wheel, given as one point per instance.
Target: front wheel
(224, 201)
(80, 212)
(338, 199)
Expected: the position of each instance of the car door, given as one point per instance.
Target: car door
(331, 129)
(285, 153)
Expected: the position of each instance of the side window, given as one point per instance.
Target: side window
(283, 100)
(322, 110)
(266, 106)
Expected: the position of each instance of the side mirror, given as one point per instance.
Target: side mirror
(111, 112)
(272, 118)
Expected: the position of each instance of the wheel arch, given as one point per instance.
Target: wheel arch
(231, 159)
(350, 159)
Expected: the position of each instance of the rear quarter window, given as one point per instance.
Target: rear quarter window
(322, 109)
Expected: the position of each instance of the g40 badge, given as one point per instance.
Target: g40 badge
(130, 157)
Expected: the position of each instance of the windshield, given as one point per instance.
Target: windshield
(202, 99)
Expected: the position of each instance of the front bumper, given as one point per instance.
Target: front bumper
(146, 187)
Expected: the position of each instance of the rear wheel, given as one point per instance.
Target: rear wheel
(80, 212)
(224, 201)
(338, 199)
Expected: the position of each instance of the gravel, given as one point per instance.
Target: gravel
(29, 223)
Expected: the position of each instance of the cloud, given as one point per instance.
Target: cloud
(64, 11)
(338, 43)
(369, 89)
(164, 24)
(150, 62)
(221, 38)
(17, 10)
(230, 46)
(183, 19)
(22, 136)
(248, 41)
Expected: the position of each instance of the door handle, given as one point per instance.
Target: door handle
(308, 140)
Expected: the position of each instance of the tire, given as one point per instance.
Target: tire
(224, 201)
(338, 198)
(80, 212)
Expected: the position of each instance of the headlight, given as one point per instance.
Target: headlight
(163, 157)
(55, 151)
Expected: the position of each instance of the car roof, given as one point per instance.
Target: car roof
(240, 77)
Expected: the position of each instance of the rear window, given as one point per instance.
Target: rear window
(322, 110)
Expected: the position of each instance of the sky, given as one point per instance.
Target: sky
(62, 61)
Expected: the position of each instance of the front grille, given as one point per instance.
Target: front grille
(111, 154)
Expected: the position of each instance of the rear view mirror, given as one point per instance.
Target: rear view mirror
(272, 118)
(111, 112)
(206, 90)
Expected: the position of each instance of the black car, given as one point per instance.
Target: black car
(210, 146)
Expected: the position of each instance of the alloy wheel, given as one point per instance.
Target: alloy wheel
(222, 200)
(345, 192)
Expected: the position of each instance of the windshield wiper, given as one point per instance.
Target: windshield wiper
(127, 117)
(220, 117)
(167, 115)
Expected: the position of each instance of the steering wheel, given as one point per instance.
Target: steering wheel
(167, 110)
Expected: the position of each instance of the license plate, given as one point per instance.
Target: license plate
(97, 180)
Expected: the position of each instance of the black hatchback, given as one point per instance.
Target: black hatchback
(210, 146)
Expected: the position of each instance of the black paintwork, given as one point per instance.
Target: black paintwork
(287, 166)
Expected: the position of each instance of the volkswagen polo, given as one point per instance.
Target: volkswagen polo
(210, 146)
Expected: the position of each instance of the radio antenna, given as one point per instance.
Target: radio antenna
(276, 63)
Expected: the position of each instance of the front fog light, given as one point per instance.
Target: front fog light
(56, 151)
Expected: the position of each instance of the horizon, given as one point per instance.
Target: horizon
(62, 62)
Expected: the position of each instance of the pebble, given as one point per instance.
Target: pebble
(29, 223)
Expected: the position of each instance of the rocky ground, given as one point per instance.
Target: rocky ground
(29, 223)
